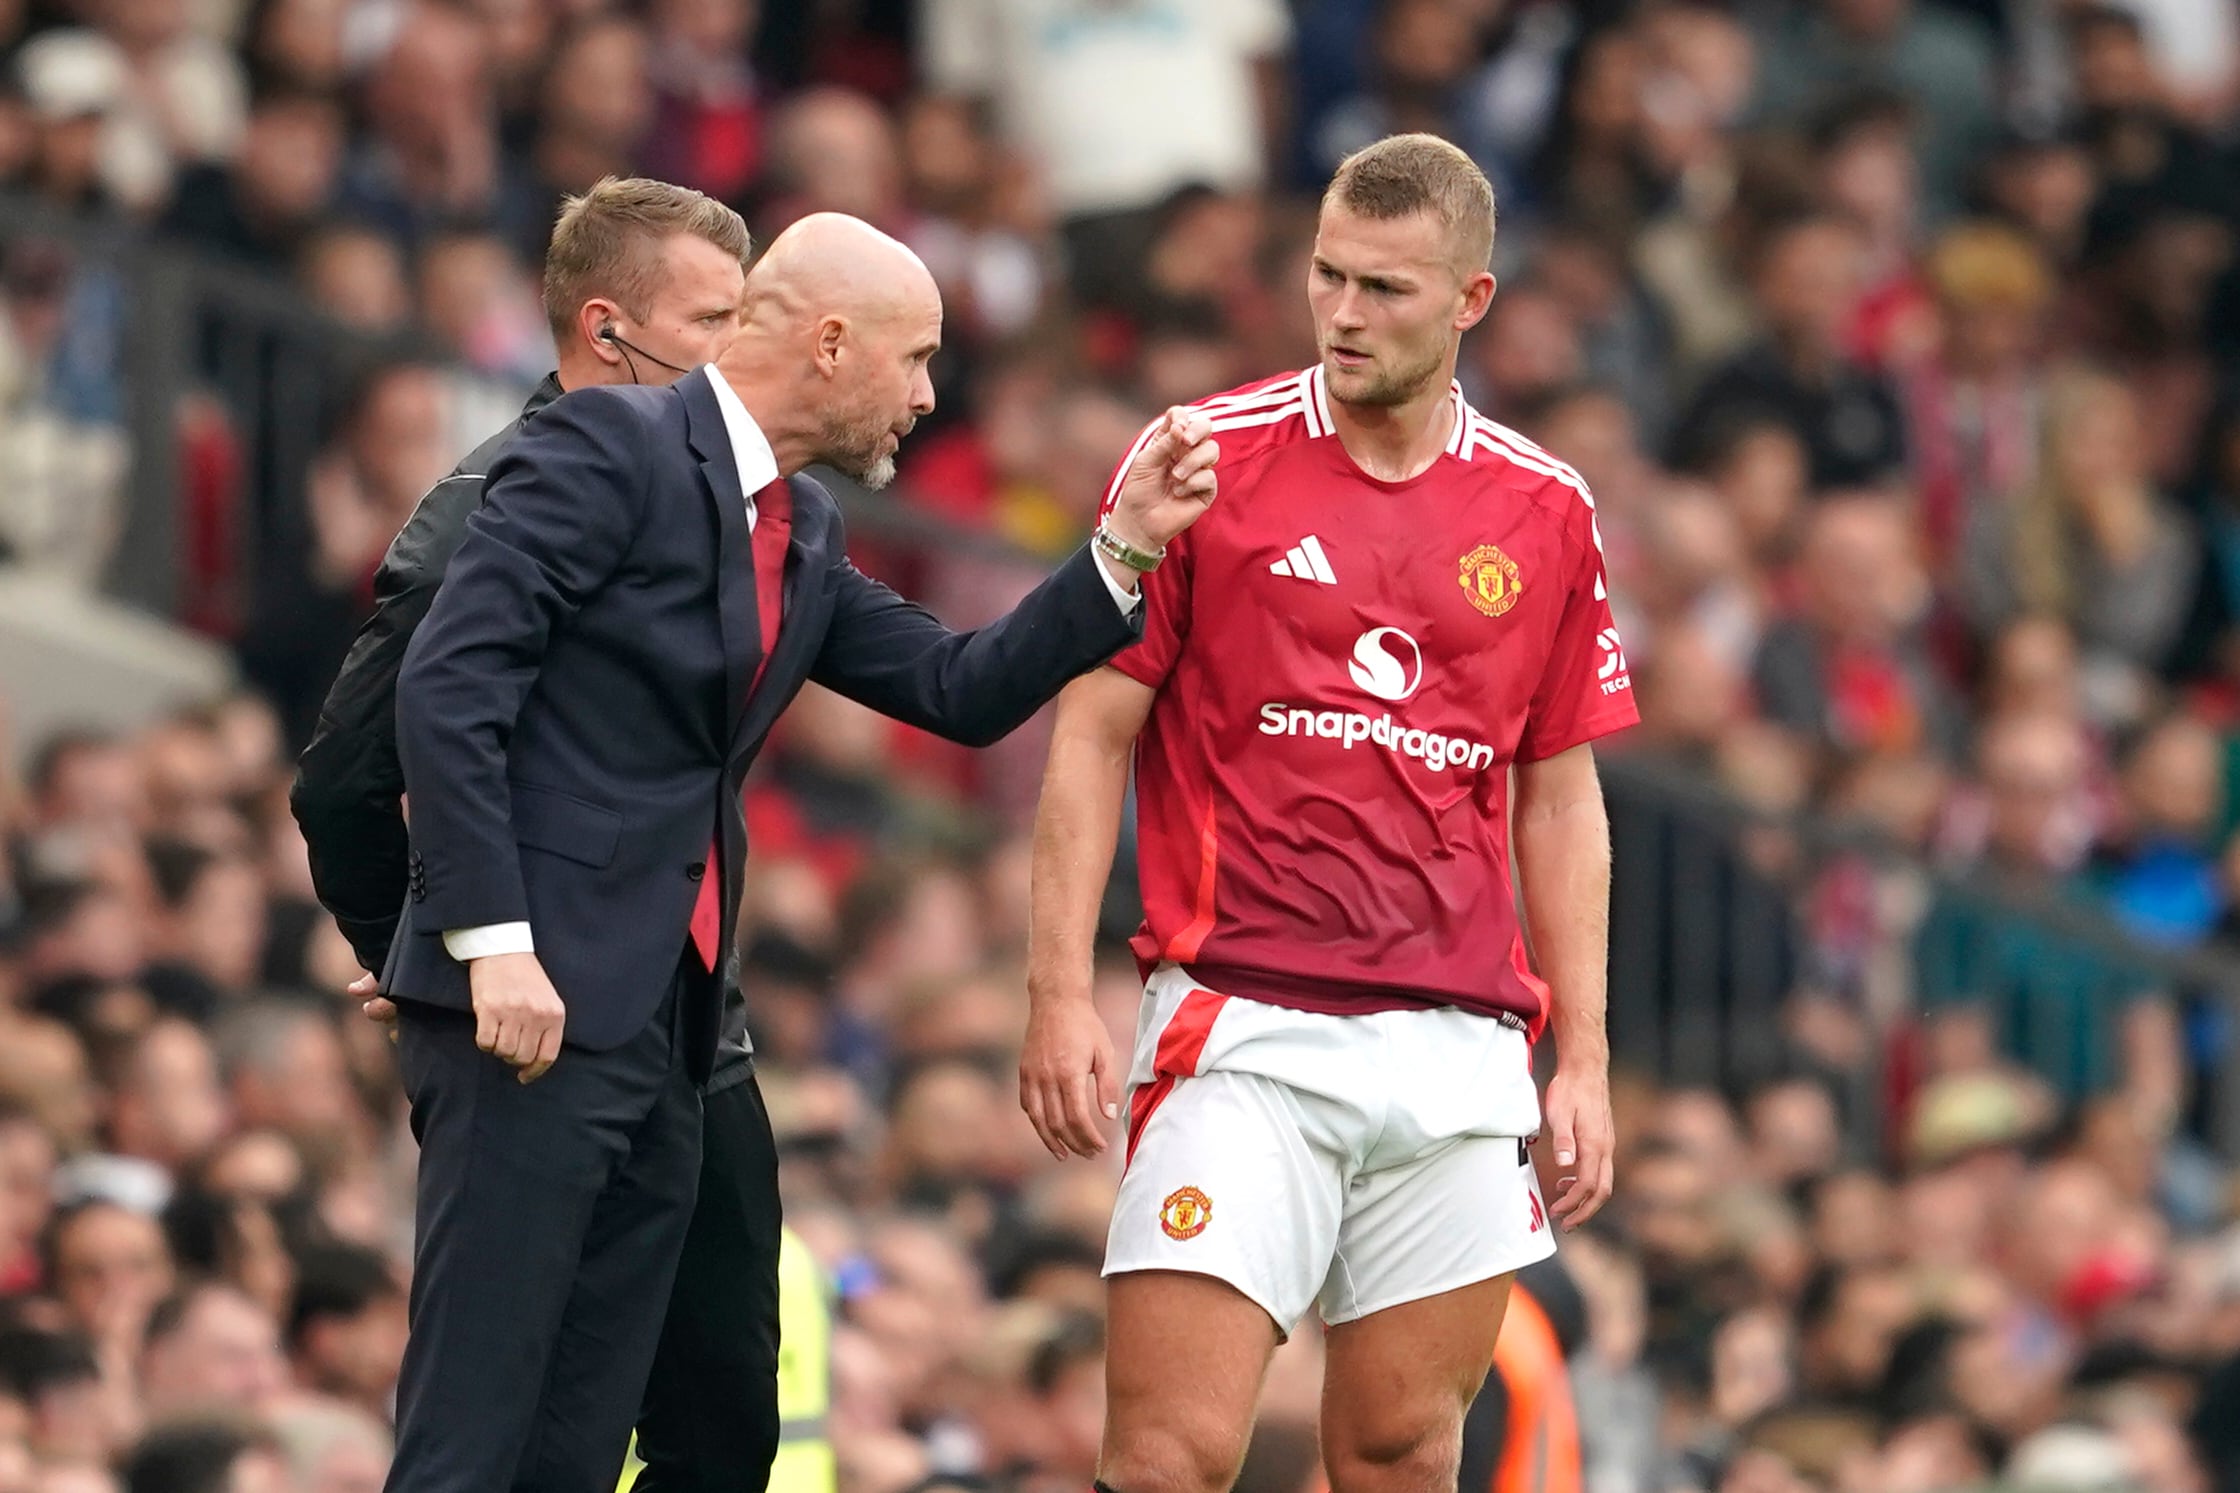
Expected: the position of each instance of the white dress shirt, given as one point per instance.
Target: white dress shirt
(758, 468)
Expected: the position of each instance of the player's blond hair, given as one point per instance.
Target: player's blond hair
(1402, 175)
(608, 243)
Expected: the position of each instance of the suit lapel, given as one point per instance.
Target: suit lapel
(735, 589)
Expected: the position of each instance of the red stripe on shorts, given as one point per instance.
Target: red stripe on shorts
(1182, 1042)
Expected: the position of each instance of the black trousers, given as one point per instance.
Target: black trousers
(551, 1217)
(710, 1422)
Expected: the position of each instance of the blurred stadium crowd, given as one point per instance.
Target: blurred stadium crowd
(1899, 339)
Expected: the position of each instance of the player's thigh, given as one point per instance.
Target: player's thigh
(1221, 1234)
(1416, 1293)
(1398, 1382)
(1184, 1358)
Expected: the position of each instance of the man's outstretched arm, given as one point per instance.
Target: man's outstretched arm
(977, 687)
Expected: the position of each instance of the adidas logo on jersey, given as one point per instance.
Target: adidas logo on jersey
(1305, 561)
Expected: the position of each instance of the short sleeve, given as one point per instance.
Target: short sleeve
(1585, 690)
(1166, 594)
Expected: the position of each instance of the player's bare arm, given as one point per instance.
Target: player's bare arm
(1562, 836)
(1069, 1081)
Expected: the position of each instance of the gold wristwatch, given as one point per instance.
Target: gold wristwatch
(1113, 547)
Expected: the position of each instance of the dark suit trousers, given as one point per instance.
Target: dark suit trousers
(551, 1217)
(711, 1410)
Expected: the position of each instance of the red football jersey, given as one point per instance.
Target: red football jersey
(1345, 669)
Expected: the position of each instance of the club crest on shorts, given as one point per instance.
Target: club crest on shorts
(1185, 1213)
(1491, 580)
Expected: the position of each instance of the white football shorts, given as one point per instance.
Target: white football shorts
(1351, 1163)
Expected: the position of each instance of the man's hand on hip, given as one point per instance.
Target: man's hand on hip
(517, 1014)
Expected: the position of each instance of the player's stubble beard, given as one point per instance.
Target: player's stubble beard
(1388, 388)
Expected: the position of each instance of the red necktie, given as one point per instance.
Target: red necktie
(773, 530)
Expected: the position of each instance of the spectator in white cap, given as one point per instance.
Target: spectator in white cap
(73, 81)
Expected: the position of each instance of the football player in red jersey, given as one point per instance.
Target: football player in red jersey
(1396, 603)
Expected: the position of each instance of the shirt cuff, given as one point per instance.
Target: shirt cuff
(464, 944)
(1122, 597)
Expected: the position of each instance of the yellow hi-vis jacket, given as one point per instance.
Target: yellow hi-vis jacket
(805, 1462)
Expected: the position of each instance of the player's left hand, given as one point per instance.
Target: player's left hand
(1170, 483)
(1585, 1140)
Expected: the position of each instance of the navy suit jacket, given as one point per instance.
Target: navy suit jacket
(574, 717)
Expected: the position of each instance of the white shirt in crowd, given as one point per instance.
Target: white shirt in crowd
(1120, 102)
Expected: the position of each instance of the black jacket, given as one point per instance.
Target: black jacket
(348, 782)
(575, 720)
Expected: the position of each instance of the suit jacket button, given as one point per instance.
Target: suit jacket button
(696, 870)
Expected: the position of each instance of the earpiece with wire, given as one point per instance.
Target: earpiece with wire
(623, 345)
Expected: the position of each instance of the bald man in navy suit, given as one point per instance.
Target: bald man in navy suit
(647, 583)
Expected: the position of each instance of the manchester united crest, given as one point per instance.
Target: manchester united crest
(1490, 580)
(1185, 1213)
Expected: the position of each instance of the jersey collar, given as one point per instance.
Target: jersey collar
(1319, 422)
